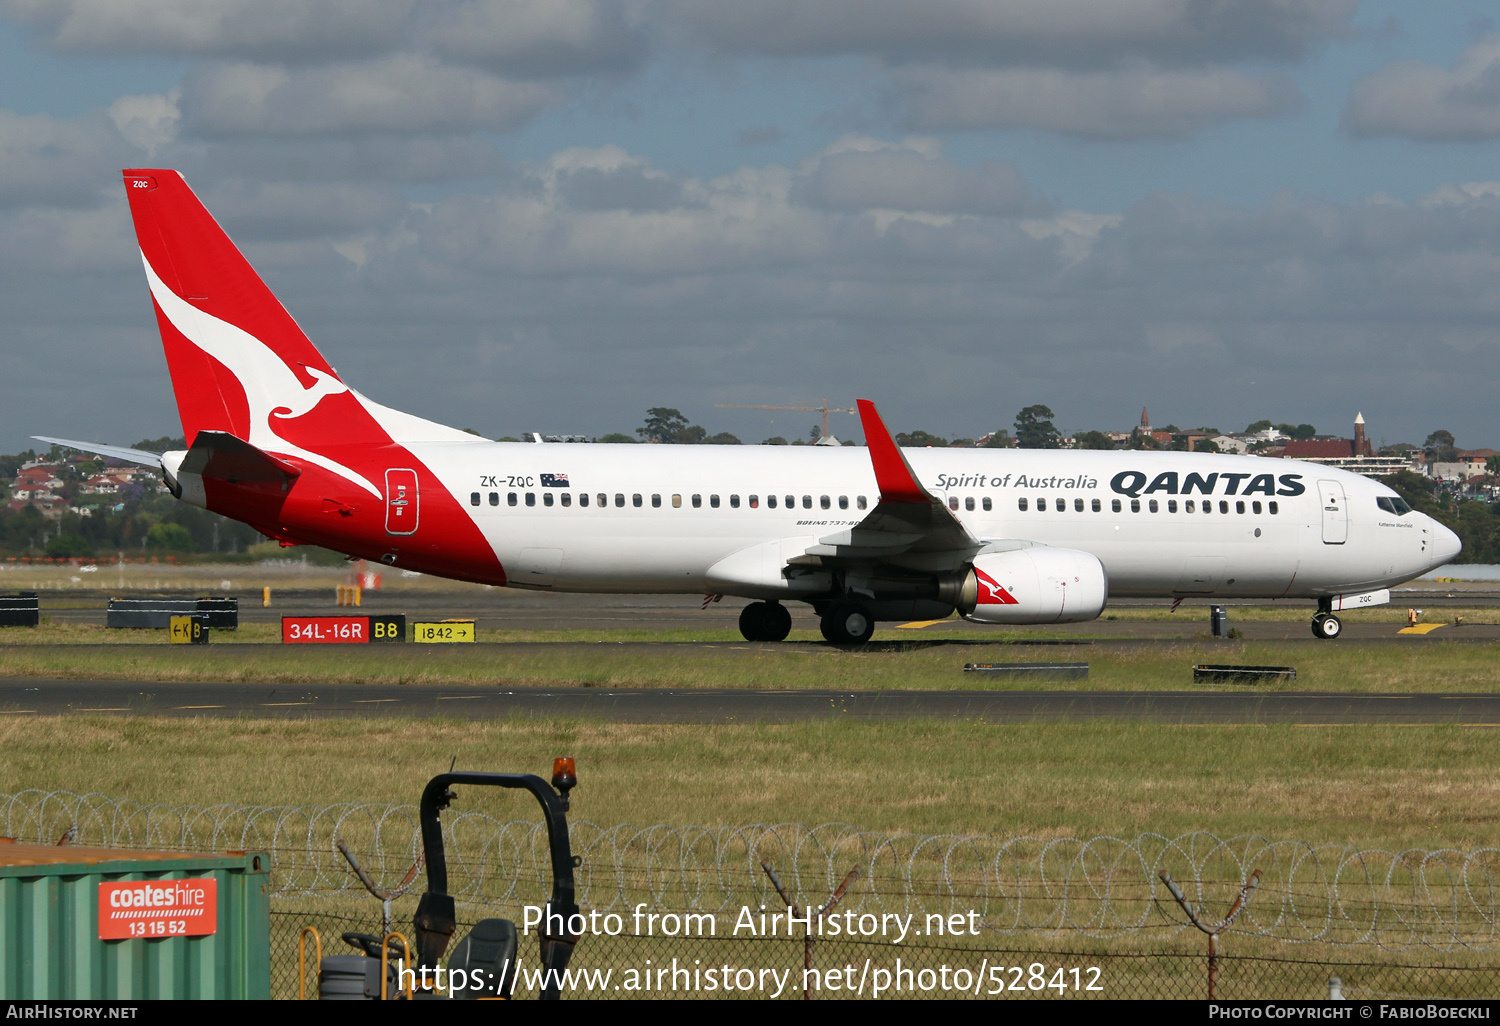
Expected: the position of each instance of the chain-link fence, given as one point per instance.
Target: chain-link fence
(1011, 917)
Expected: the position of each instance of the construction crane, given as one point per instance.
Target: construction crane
(825, 410)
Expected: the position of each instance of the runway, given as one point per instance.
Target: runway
(34, 697)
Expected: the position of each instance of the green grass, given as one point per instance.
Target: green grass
(910, 661)
(1373, 786)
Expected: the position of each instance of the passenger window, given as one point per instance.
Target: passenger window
(697, 501)
(1021, 503)
(531, 498)
(771, 501)
(1273, 507)
(755, 502)
(713, 500)
(1041, 505)
(1223, 505)
(656, 502)
(791, 502)
(1239, 507)
(1114, 505)
(1255, 507)
(676, 501)
(1152, 506)
(844, 502)
(1135, 505)
(567, 498)
(953, 503)
(1077, 505)
(1095, 506)
(511, 499)
(1189, 507)
(546, 498)
(734, 502)
(583, 498)
(807, 502)
(603, 500)
(619, 498)
(987, 504)
(473, 498)
(1208, 505)
(635, 499)
(969, 503)
(824, 502)
(1171, 505)
(861, 502)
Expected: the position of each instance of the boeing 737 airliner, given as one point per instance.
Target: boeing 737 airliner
(279, 441)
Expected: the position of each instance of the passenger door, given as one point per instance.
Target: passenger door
(1335, 513)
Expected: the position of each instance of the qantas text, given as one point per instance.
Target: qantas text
(1134, 483)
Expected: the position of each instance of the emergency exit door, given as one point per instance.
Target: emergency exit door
(401, 506)
(1335, 513)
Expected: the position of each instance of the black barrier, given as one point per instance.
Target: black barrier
(222, 614)
(23, 609)
(156, 613)
(1213, 673)
(1070, 671)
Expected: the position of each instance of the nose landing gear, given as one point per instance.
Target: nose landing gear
(1325, 625)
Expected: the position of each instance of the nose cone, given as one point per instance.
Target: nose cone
(1445, 544)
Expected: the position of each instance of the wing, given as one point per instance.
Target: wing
(909, 526)
(114, 452)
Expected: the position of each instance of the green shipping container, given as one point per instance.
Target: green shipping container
(109, 923)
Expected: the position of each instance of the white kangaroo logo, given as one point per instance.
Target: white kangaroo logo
(271, 389)
(997, 595)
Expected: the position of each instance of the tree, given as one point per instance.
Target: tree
(774, 440)
(1257, 427)
(998, 440)
(615, 438)
(1141, 440)
(1092, 440)
(1492, 465)
(663, 424)
(66, 546)
(1206, 445)
(722, 438)
(1034, 429)
(1300, 432)
(1440, 445)
(816, 433)
(166, 443)
(919, 440)
(169, 536)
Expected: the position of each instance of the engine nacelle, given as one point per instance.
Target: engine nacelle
(1034, 585)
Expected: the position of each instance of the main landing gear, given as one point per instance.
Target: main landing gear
(765, 621)
(1325, 625)
(847, 623)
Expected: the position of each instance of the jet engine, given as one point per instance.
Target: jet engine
(1032, 585)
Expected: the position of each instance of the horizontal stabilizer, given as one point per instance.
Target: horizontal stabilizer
(114, 452)
(220, 455)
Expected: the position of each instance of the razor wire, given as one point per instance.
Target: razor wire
(1100, 888)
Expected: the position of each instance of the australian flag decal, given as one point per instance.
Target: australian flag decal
(554, 480)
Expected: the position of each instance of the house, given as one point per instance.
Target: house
(1354, 454)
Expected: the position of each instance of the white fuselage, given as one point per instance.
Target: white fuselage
(657, 518)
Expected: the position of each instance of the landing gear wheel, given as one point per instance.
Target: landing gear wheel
(1326, 626)
(765, 621)
(848, 623)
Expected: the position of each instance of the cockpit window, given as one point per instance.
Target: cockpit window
(1393, 504)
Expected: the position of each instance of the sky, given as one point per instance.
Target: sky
(551, 215)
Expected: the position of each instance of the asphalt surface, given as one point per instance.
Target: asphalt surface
(23, 697)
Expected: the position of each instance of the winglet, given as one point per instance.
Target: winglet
(892, 473)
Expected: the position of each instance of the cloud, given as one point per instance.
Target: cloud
(402, 93)
(49, 160)
(258, 29)
(1134, 103)
(1418, 101)
(1076, 33)
(539, 38)
(864, 174)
